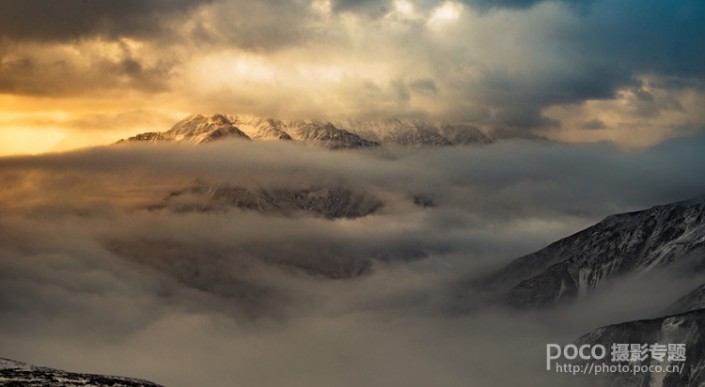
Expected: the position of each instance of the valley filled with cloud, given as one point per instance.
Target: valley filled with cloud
(97, 278)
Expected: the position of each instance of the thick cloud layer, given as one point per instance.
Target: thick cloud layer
(66, 20)
(92, 280)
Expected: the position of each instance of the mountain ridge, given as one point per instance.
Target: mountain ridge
(621, 244)
(344, 134)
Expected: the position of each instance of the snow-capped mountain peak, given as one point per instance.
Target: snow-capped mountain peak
(343, 134)
(200, 129)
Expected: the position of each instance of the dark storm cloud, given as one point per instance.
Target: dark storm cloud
(261, 26)
(215, 24)
(500, 67)
(520, 4)
(487, 4)
(653, 37)
(54, 74)
(368, 8)
(604, 49)
(72, 19)
(555, 82)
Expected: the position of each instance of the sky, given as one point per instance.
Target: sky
(76, 73)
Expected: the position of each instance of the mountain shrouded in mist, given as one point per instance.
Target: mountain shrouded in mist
(348, 134)
(621, 244)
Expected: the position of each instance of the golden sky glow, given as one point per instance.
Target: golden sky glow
(541, 67)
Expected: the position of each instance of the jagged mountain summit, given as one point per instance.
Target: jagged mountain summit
(199, 129)
(327, 135)
(195, 129)
(398, 132)
(261, 128)
(347, 134)
(635, 242)
(14, 373)
(416, 133)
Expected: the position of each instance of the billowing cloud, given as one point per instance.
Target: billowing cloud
(87, 68)
(92, 279)
(68, 20)
(514, 66)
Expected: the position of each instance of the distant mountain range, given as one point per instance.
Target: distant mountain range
(14, 373)
(198, 129)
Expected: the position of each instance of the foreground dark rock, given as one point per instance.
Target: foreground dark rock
(15, 374)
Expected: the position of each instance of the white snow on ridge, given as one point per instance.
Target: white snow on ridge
(199, 129)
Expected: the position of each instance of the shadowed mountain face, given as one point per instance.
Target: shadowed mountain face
(416, 133)
(622, 244)
(326, 135)
(232, 272)
(18, 374)
(349, 134)
(398, 132)
(694, 300)
(687, 328)
(329, 203)
(463, 134)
